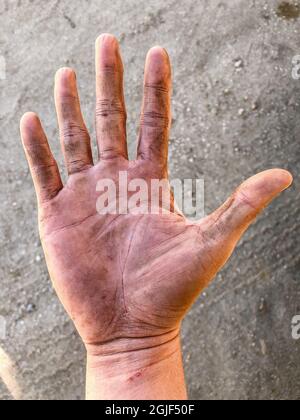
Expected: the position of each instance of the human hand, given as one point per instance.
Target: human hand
(127, 281)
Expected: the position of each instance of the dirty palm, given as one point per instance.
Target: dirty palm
(127, 280)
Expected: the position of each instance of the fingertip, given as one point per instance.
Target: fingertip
(285, 177)
(30, 121)
(65, 84)
(259, 190)
(32, 133)
(65, 74)
(277, 179)
(158, 66)
(158, 54)
(107, 39)
(108, 56)
(158, 51)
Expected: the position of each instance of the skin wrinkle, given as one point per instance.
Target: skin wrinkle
(106, 108)
(38, 152)
(110, 154)
(157, 88)
(105, 228)
(72, 225)
(128, 281)
(155, 120)
(172, 237)
(66, 98)
(139, 371)
(40, 168)
(245, 199)
(125, 262)
(73, 131)
(166, 251)
(153, 327)
(113, 70)
(110, 343)
(78, 166)
(144, 348)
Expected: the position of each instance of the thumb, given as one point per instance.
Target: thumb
(234, 217)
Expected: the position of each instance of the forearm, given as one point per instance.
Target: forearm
(151, 372)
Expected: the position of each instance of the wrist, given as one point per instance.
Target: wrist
(145, 368)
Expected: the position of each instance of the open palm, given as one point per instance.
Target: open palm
(124, 276)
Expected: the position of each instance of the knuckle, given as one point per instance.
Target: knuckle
(109, 68)
(110, 108)
(242, 199)
(155, 119)
(72, 132)
(158, 88)
(68, 99)
(77, 165)
(110, 153)
(44, 168)
(156, 106)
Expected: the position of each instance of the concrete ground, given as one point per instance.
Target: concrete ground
(236, 112)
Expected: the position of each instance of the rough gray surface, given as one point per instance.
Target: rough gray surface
(236, 111)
